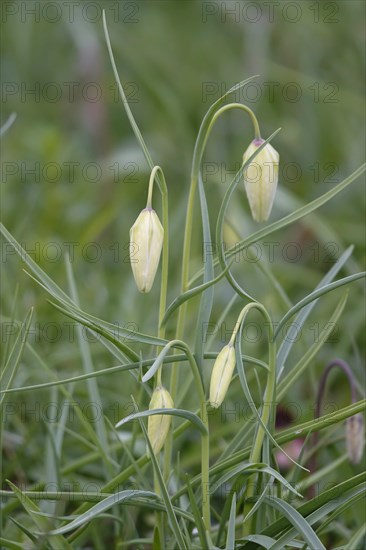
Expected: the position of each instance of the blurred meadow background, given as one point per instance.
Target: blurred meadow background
(74, 179)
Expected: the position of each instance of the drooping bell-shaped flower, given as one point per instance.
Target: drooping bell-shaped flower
(146, 241)
(355, 438)
(221, 376)
(260, 179)
(158, 425)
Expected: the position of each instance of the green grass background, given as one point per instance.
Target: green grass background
(170, 56)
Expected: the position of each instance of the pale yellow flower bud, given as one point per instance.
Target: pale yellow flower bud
(146, 241)
(222, 373)
(159, 424)
(355, 437)
(260, 179)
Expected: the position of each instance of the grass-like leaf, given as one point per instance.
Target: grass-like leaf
(118, 498)
(177, 302)
(86, 359)
(258, 467)
(287, 220)
(301, 525)
(287, 343)
(357, 538)
(298, 369)
(165, 495)
(315, 295)
(12, 364)
(197, 515)
(230, 539)
(188, 415)
(42, 523)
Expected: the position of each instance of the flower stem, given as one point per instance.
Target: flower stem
(203, 135)
(267, 407)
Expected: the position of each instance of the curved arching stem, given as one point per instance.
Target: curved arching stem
(268, 401)
(203, 135)
(269, 393)
(165, 255)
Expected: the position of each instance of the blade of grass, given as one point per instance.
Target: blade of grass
(188, 415)
(301, 525)
(164, 492)
(287, 220)
(356, 540)
(41, 522)
(316, 294)
(205, 308)
(286, 345)
(15, 356)
(298, 369)
(87, 363)
(120, 368)
(335, 506)
(118, 498)
(197, 515)
(177, 302)
(230, 539)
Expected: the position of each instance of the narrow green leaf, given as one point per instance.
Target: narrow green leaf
(341, 508)
(12, 364)
(287, 220)
(177, 302)
(336, 506)
(116, 331)
(24, 529)
(283, 437)
(205, 308)
(42, 276)
(230, 539)
(119, 498)
(298, 521)
(330, 497)
(316, 294)
(356, 540)
(262, 540)
(121, 368)
(244, 384)
(127, 351)
(5, 127)
(87, 363)
(169, 508)
(197, 515)
(297, 370)
(287, 343)
(188, 415)
(258, 467)
(10, 544)
(41, 522)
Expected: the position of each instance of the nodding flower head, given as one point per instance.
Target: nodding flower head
(260, 179)
(355, 437)
(222, 373)
(146, 241)
(159, 424)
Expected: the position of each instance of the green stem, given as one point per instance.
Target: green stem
(165, 256)
(205, 472)
(163, 294)
(267, 407)
(201, 141)
(203, 134)
(205, 439)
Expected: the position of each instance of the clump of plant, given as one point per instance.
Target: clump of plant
(241, 498)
